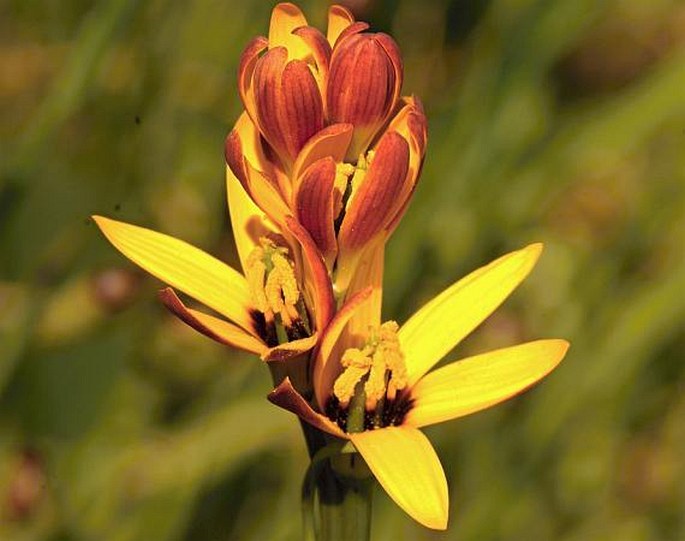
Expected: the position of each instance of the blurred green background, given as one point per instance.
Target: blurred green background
(553, 120)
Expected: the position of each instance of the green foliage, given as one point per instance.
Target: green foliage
(552, 120)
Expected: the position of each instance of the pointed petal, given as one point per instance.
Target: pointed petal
(339, 18)
(212, 327)
(332, 142)
(185, 268)
(482, 381)
(370, 204)
(285, 396)
(325, 367)
(406, 466)
(286, 351)
(285, 18)
(314, 206)
(444, 321)
(317, 283)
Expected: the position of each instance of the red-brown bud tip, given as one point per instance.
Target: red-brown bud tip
(364, 81)
(288, 103)
(371, 206)
(233, 154)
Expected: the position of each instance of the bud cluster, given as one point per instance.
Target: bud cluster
(326, 139)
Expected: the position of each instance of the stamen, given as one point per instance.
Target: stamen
(271, 277)
(356, 363)
(255, 274)
(343, 172)
(379, 366)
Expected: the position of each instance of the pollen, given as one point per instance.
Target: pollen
(379, 365)
(273, 285)
(343, 172)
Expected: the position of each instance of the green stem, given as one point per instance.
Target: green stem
(356, 412)
(336, 497)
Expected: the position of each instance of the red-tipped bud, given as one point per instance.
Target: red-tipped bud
(288, 103)
(364, 83)
(370, 208)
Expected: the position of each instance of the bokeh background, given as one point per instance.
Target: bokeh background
(553, 120)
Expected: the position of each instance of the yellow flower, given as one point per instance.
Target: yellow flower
(387, 432)
(275, 309)
(325, 136)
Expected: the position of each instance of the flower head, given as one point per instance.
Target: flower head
(377, 389)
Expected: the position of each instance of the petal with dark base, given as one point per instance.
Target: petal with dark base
(217, 329)
(285, 396)
(184, 267)
(476, 383)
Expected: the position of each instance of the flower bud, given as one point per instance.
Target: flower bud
(365, 77)
(281, 88)
(288, 103)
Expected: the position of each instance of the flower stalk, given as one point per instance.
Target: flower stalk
(337, 495)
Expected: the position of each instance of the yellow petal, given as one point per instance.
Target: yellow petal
(339, 18)
(406, 466)
(283, 352)
(251, 144)
(248, 60)
(326, 367)
(217, 329)
(248, 221)
(183, 267)
(285, 18)
(369, 273)
(444, 321)
(332, 142)
(482, 381)
(266, 195)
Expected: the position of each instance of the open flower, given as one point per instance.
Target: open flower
(380, 392)
(326, 137)
(274, 309)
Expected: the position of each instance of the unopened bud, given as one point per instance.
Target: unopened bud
(363, 85)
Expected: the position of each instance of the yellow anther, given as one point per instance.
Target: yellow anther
(255, 274)
(343, 171)
(363, 164)
(271, 277)
(365, 160)
(381, 362)
(356, 363)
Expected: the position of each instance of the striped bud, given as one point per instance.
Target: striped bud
(364, 82)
